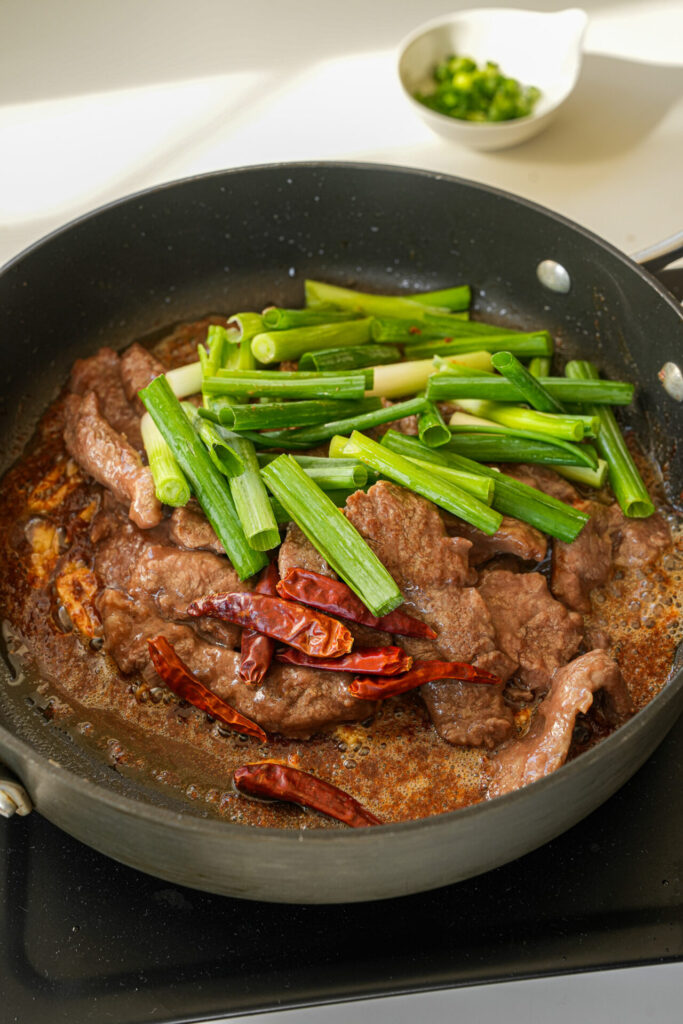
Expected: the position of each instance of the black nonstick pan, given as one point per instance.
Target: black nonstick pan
(240, 239)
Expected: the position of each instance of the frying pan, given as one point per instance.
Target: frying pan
(239, 239)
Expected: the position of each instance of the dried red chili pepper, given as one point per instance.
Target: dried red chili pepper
(284, 783)
(178, 678)
(382, 661)
(300, 627)
(257, 650)
(336, 598)
(421, 672)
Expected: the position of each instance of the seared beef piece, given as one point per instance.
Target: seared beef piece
(101, 373)
(297, 552)
(408, 536)
(107, 456)
(546, 745)
(180, 346)
(534, 630)
(637, 543)
(585, 563)
(138, 368)
(544, 479)
(512, 538)
(191, 529)
(173, 579)
(294, 701)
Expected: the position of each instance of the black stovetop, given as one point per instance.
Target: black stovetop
(84, 939)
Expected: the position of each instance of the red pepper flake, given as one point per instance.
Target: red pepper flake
(281, 782)
(257, 649)
(334, 597)
(292, 624)
(421, 672)
(414, 330)
(383, 661)
(178, 678)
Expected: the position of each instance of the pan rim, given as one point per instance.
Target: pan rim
(141, 809)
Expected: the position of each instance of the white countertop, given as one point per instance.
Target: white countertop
(101, 99)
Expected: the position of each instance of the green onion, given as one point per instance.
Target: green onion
(431, 428)
(318, 293)
(329, 474)
(274, 415)
(332, 535)
(242, 384)
(584, 475)
(467, 427)
(444, 387)
(530, 387)
(282, 515)
(567, 428)
(539, 366)
(222, 454)
(422, 481)
(274, 346)
(538, 343)
(308, 437)
(493, 447)
(217, 348)
(401, 379)
(170, 485)
(185, 380)
(353, 358)
(626, 481)
(242, 327)
(455, 298)
(511, 497)
(416, 331)
(251, 499)
(275, 318)
(209, 486)
(478, 486)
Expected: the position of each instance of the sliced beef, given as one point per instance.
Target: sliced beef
(191, 529)
(543, 479)
(297, 552)
(293, 700)
(106, 455)
(532, 628)
(586, 563)
(138, 368)
(408, 536)
(180, 346)
(172, 579)
(546, 745)
(101, 373)
(637, 543)
(512, 538)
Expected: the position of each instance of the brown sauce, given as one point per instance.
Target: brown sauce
(394, 764)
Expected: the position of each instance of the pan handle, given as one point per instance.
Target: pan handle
(661, 254)
(13, 797)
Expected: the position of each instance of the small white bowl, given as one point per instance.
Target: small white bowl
(536, 48)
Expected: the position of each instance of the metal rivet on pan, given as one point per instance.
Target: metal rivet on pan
(553, 276)
(672, 380)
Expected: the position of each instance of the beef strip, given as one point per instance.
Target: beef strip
(297, 551)
(432, 570)
(294, 701)
(172, 579)
(512, 538)
(637, 543)
(543, 479)
(138, 368)
(106, 455)
(405, 425)
(546, 745)
(586, 563)
(191, 529)
(534, 630)
(101, 373)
